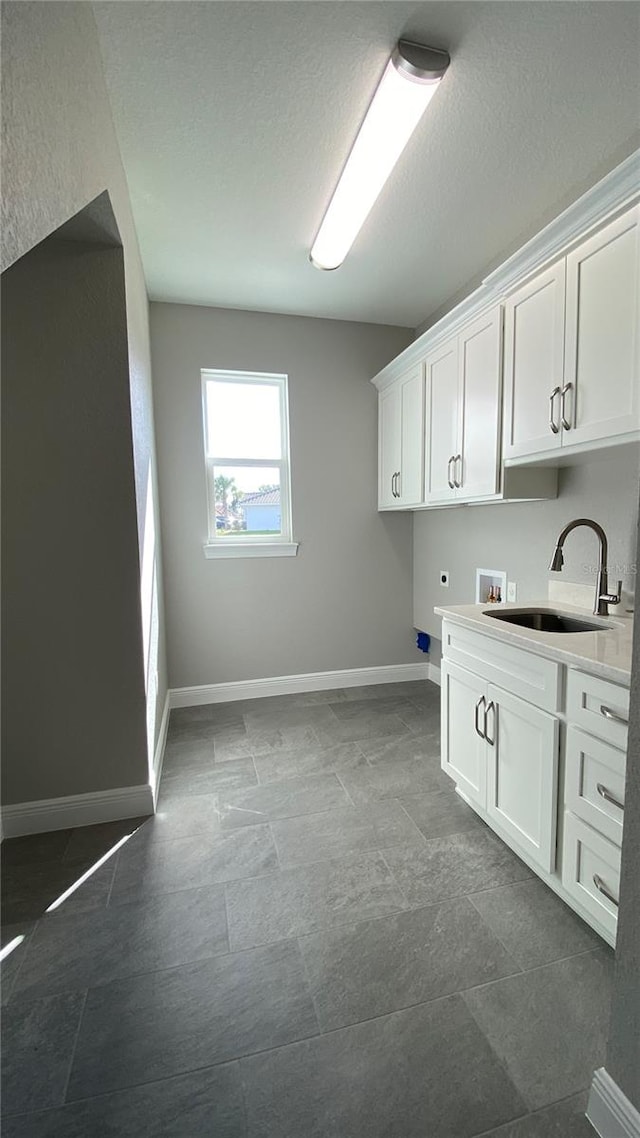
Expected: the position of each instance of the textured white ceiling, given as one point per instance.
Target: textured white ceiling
(235, 119)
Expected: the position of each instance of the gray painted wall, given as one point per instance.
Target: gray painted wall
(623, 1055)
(520, 537)
(345, 600)
(72, 677)
(59, 153)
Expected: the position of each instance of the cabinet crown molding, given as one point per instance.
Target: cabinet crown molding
(616, 191)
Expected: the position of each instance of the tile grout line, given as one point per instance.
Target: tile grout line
(532, 1113)
(397, 883)
(74, 1047)
(536, 968)
(116, 863)
(349, 798)
(308, 982)
(485, 923)
(226, 918)
(402, 806)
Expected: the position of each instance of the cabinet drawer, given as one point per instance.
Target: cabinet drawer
(594, 783)
(591, 871)
(600, 707)
(515, 670)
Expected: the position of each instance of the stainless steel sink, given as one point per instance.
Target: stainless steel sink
(541, 620)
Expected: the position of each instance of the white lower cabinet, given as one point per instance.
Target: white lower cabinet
(594, 783)
(591, 872)
(522, 782)
(503, 754)
(464, 755)
(523, 767)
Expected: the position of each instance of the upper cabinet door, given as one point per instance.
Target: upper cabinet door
(602, 363)
(410, 484)
(478, 470)
(534, 365)
(389, 446)
(442, 432)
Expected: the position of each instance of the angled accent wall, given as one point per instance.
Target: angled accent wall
(60, 153)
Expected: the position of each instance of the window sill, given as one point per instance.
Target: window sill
(245, 549)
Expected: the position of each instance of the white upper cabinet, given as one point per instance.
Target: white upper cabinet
(572, 368)
(442, 422)
(538, 366)
(401, 442)
(463, 414)
(534, 361)
(480, 391)
(389, 445)
(602, 353)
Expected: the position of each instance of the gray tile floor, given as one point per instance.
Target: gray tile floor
(314, 938)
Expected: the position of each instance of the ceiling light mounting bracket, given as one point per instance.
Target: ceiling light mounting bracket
(418, 62)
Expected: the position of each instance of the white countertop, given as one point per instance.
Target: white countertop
(605, 653)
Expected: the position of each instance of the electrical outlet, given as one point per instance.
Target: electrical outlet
(444, 578)
(512, 591)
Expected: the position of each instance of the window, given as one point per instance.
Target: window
(246, 437)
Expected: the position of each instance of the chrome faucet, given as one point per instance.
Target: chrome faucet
(603, 598)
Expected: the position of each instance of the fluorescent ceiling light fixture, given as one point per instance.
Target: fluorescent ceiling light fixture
(410, 80)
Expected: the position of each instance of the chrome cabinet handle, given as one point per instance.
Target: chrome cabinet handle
(457, 482)
(552, 423)
(490, 707)
(608, 796)
(603, 888)
(477, 712)
(398, 490)
(609, 714)
(393, 486)
(566, 423)
(452, 485)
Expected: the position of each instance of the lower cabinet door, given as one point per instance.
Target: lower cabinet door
(463, 698)
(522, 774)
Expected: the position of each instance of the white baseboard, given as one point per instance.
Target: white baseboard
(288, 685)
(610, 1112)
(76, 810)
(158, 755)
(434, 674)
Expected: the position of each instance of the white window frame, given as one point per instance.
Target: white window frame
(250, 545)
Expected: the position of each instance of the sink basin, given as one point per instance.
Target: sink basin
(541, 620)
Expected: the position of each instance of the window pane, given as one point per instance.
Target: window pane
(243, 420)
(247, 500)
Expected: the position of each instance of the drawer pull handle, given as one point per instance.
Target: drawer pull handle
(608, 796)
(552, 422)
(609, 714)
(490, 739)
(603, 888)
(477, 712)
(566, 423)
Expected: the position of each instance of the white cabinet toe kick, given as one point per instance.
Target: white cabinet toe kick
(538, 749)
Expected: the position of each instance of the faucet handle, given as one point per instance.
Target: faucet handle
(613, 598)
